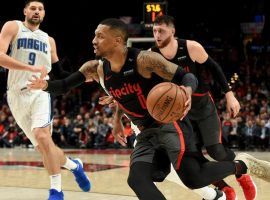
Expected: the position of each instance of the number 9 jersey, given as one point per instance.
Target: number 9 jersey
(30, 47)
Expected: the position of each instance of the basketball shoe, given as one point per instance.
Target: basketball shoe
(248, 186)
(55, 195)
(80, 176)
(256, 167)
(230, 193)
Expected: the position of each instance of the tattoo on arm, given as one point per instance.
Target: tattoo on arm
(89, 69)
(149, 62)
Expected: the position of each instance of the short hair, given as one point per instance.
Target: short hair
(27, 2)
(165, 19)
(117, 24)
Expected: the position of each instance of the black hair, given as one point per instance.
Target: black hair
(117, 24)
(165, 19)
(27, 2)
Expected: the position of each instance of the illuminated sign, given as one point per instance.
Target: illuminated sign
(151, 10)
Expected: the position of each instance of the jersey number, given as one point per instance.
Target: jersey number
(142, 101)
(32, 58)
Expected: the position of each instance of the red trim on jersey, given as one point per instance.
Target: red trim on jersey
(182, 143)
(129, 112)
(186, 69)
(220, 132)
(199, 94)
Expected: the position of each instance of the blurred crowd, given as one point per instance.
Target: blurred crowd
(76, 124)
(251, 129)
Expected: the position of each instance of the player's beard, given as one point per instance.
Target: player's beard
(34, 22)
(164, 43)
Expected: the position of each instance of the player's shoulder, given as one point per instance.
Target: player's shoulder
(10, 28)
(196, 51)
(193, 45)
(51, 39)
(12, 24)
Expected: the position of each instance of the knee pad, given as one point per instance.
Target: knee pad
(220, 153)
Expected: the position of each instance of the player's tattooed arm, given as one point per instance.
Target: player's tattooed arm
(151, 62)
(89, 70)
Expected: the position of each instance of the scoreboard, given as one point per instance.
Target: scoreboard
(151, 10)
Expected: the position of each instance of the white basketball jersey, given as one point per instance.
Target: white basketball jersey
(30, 47)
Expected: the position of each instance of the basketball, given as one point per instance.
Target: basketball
(166, 102)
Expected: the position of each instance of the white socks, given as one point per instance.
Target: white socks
(56, 182)
(70, 165)
(207, 193)
(56, 178)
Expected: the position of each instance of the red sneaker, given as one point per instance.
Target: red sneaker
(248, 186)
(230, 193)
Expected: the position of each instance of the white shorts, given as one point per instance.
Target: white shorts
(30, 109)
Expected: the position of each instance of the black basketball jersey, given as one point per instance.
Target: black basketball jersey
(130, 89)
(183, 59)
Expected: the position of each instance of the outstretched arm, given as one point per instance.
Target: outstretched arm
(88, 72)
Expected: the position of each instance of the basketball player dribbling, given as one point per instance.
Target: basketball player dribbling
(203, 114)
(128, 75)
(31, 48)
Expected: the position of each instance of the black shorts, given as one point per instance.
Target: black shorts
(173, 139)
(205, 121)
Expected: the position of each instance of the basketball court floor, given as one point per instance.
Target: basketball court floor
(22, 177)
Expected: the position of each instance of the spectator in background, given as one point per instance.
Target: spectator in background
(57, 134)
(103, 130)
(248, 131)
(265, 133)
(129, 134)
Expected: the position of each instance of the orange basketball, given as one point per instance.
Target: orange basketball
(166, 102)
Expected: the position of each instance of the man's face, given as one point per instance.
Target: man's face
(104, 41)
(163, 34)
(34, 13)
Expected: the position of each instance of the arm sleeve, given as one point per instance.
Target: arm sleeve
(218, 74)
(58, 72)
(186, 79)
(58, 87)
